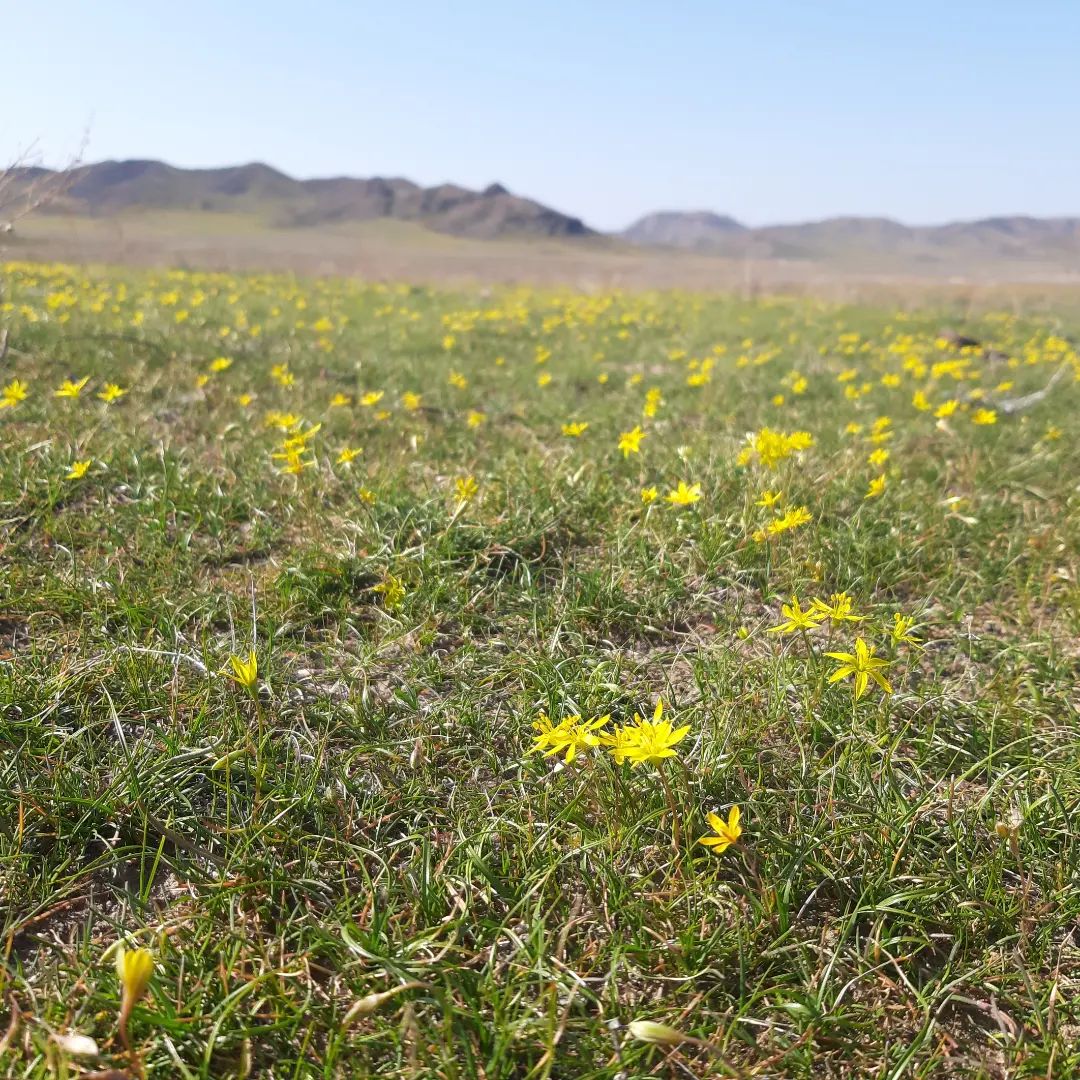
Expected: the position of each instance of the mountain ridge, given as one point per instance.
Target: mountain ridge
(1007, 236)
(114, 187)
(110, 187)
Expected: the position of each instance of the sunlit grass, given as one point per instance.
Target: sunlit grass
(295, 577)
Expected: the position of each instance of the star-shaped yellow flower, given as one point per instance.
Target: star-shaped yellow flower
(727, 832)
(684, 495)
(630, 441)
(71, 389)
(861, 665)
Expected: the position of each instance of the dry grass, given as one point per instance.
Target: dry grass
(388, 250)
(375, 819)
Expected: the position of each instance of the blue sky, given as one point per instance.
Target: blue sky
(768, 110)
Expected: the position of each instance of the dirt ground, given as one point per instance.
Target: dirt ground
(400, 251)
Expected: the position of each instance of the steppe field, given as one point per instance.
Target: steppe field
(523, 681)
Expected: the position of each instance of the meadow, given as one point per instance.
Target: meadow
(520, 682)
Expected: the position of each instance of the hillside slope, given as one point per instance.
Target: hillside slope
(1015, 237)
(113, 187)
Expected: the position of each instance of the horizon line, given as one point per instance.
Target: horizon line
(884, 218)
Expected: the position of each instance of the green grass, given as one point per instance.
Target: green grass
(374, 816)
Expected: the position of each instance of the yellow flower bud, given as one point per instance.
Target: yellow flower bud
(133, 970)
(651, 1032)
(365, 1006)
(245, 671)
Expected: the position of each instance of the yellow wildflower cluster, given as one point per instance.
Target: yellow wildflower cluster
(294, 450)
(639, 742)
(771, 447)
(860, 665)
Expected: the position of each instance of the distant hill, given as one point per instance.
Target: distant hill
(111, 187)
(997, 238)
(272, 198)
(693, 231)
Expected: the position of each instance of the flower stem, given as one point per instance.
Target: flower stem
(676, 832)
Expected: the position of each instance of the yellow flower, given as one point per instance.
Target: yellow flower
(348, 453)
(475, 419)
(79, 469)
(919, 400)
(621, 743)
(900, 631)
(245, 672)
(367, 495)
(837, 610)
(575, 429)
(568, 736)
(294, 459)
(648, 1031)
(372, 397)
(649, 495)
(134, 970)
(71, 389)
(457, 380)
(111, 393)
(410, 401)
(13, 393)
(244, 400)
(543, 379)
(796, 618)
(771, 447)
(794, 518)
(650, 740)
(683, 495)
(877, 486)
(769, 498)
(222, 363)
(984, 416)
(862, 665)
(946, 409)
(878, 457)
(630, 441)
(201, 380)
(727, 832)
(393, 592)
(282, 421)
(298, 439)
(465, 487)
(339, 400)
